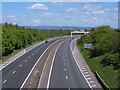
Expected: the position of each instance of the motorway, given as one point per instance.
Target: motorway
(65, 72)
(15, 73)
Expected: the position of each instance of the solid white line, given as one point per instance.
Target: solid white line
(21, 65)
(5, 81)
(14, 72)
(52, 65)
(44, 68)
(66, 77)
(34, 67)
(65, 69)
(80, 68)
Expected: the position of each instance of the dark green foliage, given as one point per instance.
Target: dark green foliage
(16, 37)
(105, 42)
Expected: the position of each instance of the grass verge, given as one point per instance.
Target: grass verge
(107, 73)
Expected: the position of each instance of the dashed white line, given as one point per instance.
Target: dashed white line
(89, 78)
(32, 54)
(65, 69)
(14, 72)
(93, 85)
(63, 56)
(87, 75)
(5, 81)
(85, 72)
(63, 59)
(25, 60)
(91, 81)
(29, 57)
(64, 63)
(21, 65)
(66, 77)
(83, 68)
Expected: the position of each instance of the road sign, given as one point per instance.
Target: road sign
(88, 45)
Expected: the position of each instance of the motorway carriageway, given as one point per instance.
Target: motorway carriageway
(15, 73)
(65, 72)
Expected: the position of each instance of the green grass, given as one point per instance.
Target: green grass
(107, 73)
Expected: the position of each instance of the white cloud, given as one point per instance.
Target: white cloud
(91, 7)
(71, 10)
(95, 9)
(36, 22)
(10, 16)
(38, 7)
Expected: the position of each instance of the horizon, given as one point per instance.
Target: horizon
(89, 14)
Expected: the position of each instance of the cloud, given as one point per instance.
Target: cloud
(10, 16)
(36, 22)
(91, 7)
(71, 10)
(38, 7)
(95, 9)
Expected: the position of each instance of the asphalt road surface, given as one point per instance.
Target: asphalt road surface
(15, 73)
(65, 72)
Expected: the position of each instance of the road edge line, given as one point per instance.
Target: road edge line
(23, 53)
(48, 82)
(34, 67)
(79, 67)
(38, 86)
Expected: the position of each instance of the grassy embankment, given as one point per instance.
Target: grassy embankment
(104, 55)
(107, 73)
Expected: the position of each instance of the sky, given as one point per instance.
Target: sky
(82, 14)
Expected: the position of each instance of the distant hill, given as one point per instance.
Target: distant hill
(57, 27)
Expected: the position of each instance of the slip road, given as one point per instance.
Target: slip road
(65, 72)
(15, 73)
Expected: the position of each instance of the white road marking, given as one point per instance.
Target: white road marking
(79, 67)
(87, 75)
(93, 85)
(48, 83)
(25, 60)
(63, 56)
(85, 72)
(64, 63)
(66, 77)
(91, 81)
(29, 57)
(89, 78)
(63, 59)
(83, 68)
(32, 54)
(21, 65)
(5, 81)
(65, 69)
(14, 72)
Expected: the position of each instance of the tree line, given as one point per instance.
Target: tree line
(106, 43)
(16, 37)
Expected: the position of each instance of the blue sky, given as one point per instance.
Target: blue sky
(89, 14)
